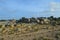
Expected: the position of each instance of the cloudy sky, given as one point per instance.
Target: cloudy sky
(29, 8)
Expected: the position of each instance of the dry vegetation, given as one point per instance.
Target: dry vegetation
(30, 31)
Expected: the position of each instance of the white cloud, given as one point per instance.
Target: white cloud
(55, 6)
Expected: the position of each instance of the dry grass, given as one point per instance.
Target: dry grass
(30, 32)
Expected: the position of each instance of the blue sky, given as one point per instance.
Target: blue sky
(29, 8)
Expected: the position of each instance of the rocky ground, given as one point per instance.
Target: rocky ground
(30, 32)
